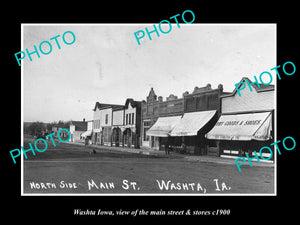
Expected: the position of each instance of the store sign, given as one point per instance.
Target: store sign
(238, 123)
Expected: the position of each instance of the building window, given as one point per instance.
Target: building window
(126, 119)
(146, 124)
(132, 120)
(129, 118)
(106, 118)
(97, 124)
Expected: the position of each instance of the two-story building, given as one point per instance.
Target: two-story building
(169, 113)
(118, 126)
(246, 123)
(132, 123)
(201, 111)
(149, 117)
(102, 130)
(181, 123)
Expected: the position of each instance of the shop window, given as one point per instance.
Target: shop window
(106, 118)
(132, 118)
(212, 143)
(146, 137)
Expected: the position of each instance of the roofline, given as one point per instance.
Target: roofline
(105, 106)
(271, 87)
(132, 102)
(248, 112)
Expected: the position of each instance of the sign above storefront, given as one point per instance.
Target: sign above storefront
(250, 126)
(238, 122)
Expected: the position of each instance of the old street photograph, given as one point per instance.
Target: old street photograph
(127, 109)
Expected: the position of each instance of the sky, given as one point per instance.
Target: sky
(105, 64)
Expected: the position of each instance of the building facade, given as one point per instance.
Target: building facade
(103, 122)
(77, 128)
(158, 118)
(118, 127)
(181, 123)
(87, 135)
(132, 123)
(149, 117)
(201, 110)
(246, 123)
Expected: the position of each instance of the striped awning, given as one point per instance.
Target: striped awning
(192, 122)
(163, 126)
(250, 126)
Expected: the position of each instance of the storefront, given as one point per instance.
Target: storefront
(191, 130)
(246, 123)
(117, 137)
(103, 125)
(117, 127)
(159, 133)
(242, 133)
(158, 118)
(132, 123)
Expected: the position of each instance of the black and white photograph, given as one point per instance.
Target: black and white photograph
(165, 109)
(142, 113)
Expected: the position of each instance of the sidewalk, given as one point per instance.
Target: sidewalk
(193, 158)
(228, 161)
(123, 149)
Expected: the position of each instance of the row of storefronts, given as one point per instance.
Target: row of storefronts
(117, 125)
(205, 122)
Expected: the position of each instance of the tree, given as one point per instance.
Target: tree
(36, 128)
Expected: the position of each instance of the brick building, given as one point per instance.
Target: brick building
(158, 119)
(201, 111)
(181, 123)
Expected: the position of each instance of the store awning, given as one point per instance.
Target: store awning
(163, 126)
(86, 133)
(192, 122)
(252, 126)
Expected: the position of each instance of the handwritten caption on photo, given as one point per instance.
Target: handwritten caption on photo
(133, 186)
(13, 156)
